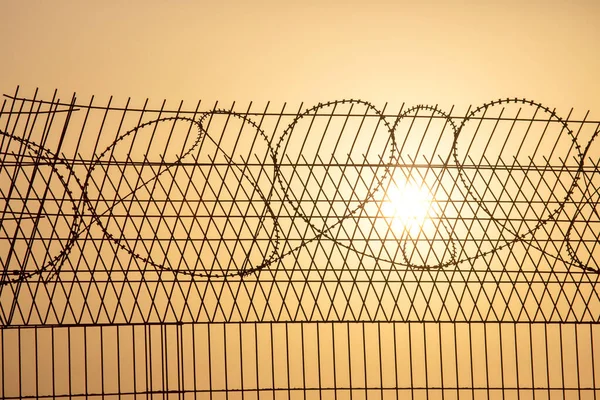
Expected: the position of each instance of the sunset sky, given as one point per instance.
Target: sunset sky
(433, 52)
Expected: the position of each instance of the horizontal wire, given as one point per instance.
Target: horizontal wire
(82, 106)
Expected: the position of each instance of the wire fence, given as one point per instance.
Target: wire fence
(330, 250)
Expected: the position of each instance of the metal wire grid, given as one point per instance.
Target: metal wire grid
(116, 216)
(302, 360)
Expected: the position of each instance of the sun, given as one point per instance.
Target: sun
(406, 206)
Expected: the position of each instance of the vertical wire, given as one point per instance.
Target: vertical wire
(100, 328)
(256, 360)
(487, 365)
(562, 364)
(456, 364)
(52, 361)
(594, 378)
(210, 362)
(193, 328)
(37, 362)
(118, 355)
(531, 359)
(85, 359)
(410, 363)
(134, 357)
(380, 355)
(441, 371)
(335, 385)
(319, 367)
(471, 366)
(272, 358)
(351, 385)
(577, 365)
(287, 359)
(514, 325)
(424, 337)
(19, 345)
(547, 344)
(303, 355)
(69, 364)
(241, 354)
(148, 359)
(164, 360)
(181, 387)
(365, 367)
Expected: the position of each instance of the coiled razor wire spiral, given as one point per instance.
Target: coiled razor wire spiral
(344, 184)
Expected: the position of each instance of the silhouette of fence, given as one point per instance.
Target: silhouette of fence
(161, 251)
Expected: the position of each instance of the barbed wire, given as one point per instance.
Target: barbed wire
(277, 187)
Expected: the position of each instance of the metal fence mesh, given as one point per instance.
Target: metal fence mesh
(330, 250)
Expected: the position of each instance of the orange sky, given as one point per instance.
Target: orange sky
(419, 52)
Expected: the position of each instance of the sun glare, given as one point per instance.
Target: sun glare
(407, 207)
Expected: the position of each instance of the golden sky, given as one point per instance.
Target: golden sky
(433, 52)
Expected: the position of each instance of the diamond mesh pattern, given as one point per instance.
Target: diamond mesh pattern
(125, 214)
